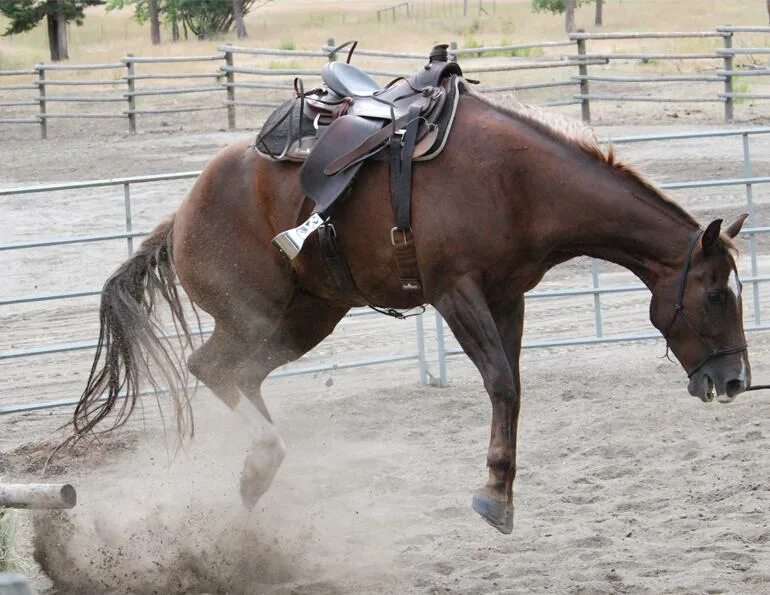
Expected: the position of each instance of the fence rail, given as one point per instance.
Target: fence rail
(245, 86)
(753, 277)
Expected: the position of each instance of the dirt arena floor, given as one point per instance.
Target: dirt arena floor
(626, 484)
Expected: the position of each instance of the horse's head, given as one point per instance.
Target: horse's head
(699, 310)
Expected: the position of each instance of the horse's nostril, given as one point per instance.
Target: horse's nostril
(734, 387)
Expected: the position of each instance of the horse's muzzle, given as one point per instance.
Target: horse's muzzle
(722, 383)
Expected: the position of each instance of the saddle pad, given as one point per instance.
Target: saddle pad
(342, 136)
(280, 135)
(443, 124)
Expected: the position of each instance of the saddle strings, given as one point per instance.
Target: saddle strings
(354, 43)
(398, 314)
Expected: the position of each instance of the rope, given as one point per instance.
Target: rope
(758, 387)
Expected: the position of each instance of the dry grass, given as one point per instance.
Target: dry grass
(8, 554)
(307, 24)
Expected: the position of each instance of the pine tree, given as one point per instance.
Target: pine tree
(26, 14)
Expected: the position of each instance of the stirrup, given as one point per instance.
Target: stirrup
(290, 241)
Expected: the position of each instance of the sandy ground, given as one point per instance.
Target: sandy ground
(625, 484)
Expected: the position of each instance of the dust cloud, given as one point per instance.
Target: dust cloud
(150, 523)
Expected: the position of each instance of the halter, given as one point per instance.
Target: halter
(679, 312)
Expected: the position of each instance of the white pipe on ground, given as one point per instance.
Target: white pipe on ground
(37, 495)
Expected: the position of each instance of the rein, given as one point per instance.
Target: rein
(680, 313)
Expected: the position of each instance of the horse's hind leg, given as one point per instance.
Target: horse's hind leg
(216, 364)
(307, 321)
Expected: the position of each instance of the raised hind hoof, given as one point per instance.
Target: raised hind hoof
(494, 512)
(254, 481)
(251, 491)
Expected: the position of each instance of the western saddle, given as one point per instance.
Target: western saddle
(336, 128)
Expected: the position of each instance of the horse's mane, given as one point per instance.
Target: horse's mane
(575, 134)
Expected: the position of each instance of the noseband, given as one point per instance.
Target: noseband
(680, 313)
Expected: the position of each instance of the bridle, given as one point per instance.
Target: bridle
(680, 313)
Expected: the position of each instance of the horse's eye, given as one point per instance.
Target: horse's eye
(716, 298)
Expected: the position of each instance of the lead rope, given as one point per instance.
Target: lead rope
(758, 387)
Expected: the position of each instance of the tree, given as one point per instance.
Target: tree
(561, 6)
(203, 17)
(569, 19)
(144, 11)
(240, 27)
(25, 15)
(155, 22)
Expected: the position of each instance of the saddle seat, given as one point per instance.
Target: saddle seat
(347, 80)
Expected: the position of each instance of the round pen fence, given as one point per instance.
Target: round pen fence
(242, 83)
(124, 216)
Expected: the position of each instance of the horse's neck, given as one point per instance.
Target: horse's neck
(585, 204)
(604, 210)
(629, 223)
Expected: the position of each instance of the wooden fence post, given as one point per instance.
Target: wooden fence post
(41, 100)
(330, 43)
(585, 103)
(230, 80)
(131, 97)
(728, 58)
(453, 51)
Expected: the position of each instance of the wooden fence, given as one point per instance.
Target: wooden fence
(553, 73)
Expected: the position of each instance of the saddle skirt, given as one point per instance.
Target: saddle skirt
(336, 128)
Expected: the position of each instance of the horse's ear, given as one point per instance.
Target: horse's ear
(735, 227)
(711, 236)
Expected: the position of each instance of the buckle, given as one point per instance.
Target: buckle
(403, 233)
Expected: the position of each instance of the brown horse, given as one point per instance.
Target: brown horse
(509, 198)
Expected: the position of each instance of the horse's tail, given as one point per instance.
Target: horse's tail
(131, 341)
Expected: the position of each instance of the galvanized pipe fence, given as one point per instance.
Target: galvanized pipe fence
(421, 355)
(30, 96)
(128, 235)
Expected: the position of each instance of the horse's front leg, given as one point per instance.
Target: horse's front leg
(468, 314)
(509, 317)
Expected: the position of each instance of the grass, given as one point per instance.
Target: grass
(307, 24)
(9, 558)
(285, 65)
(471, 43)
(741, 85)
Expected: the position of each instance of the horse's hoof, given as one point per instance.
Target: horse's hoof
(254, 481)
(494, 512)
(251, 491)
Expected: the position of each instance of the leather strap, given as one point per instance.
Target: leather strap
(405, 256)
(401, 149)
(336, 261)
